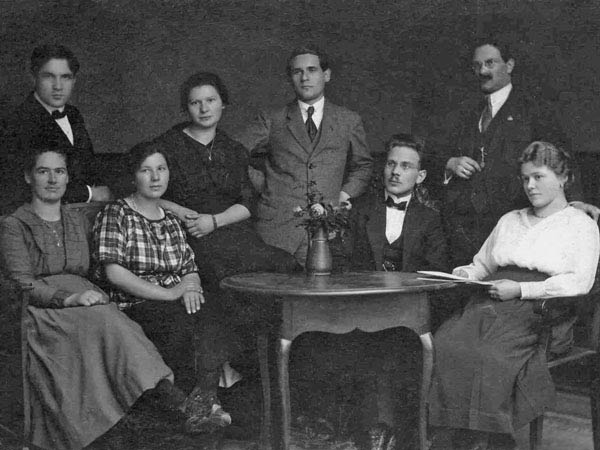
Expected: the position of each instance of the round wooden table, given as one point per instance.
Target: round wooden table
(339, 303)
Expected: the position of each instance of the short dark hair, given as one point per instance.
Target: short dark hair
(138, 154)
(202, 79)
(407, 140)
(44, 53)
(308, 49)
(504, 47)
(32, 154)
(545, 154)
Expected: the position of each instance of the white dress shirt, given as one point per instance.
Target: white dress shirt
(498, 99)
(394, 218)
(317, 116)
(63, 123)
(65, 126)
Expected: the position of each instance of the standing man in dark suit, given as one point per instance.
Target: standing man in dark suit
(45, 119)
(309, 146)
(482, 162)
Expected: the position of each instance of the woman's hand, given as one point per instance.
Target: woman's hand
(192, 301)
(86, 298)
(505, 290)
(199, 225)
(460, 273)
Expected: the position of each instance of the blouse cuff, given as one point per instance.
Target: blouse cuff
(532, 289)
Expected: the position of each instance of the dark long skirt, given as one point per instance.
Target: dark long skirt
(194, 346)
(237, 249)
(490, 373)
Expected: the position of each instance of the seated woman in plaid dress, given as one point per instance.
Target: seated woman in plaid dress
(146, 265)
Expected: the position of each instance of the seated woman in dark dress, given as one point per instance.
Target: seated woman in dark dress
(490, 375)
(211, 193)
(148, 268)
(87, 362)
(210, 188)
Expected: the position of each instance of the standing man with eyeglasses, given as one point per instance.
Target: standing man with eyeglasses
(481, 182)
(46, 120)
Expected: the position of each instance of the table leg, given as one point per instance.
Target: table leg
(427, 345)
(262, 344)
(284, 387)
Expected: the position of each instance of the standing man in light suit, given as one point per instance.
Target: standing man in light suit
(46, 120)
(309, 146)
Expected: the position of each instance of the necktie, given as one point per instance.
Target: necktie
(390, 203)
(486, 115)
(56, 114)
(311, 128)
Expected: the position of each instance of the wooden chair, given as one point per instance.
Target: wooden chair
(552, 310)
(25, 321)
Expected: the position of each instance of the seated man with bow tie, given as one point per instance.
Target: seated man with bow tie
(46, 120)
(391, 229)
(396, 230)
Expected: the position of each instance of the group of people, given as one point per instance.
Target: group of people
(153, 318)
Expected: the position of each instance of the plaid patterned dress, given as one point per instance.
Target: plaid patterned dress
(154, 250)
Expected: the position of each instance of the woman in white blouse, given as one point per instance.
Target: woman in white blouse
(490, 376)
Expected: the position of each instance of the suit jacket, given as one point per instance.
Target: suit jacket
(31, 127)
(340, 160)
(424, 244)
(472, 207)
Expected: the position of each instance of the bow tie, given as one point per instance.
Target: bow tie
(56, 114)
(390, 203)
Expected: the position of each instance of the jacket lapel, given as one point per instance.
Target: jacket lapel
(501, 116)
(328, 125)
(49, 124)
(297, 128)
(410, 229)
(376, 230)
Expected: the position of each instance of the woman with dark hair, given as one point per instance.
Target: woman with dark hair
(211, 193)
(87, 363)
(490, 375)
(210, 188)
(148, 268)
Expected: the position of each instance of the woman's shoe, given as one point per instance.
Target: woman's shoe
(208, 424)
(204, 412)
(381, 437)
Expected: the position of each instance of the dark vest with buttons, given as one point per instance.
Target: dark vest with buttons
(392, 254)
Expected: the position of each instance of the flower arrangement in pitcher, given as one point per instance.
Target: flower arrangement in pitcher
(320, 215)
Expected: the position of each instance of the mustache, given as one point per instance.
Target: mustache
(485, 77)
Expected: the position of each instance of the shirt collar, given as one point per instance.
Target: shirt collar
(318, 105)
(405, 198)
(499, 97)
(46, 106)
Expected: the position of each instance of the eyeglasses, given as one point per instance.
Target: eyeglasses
(488, 64)
(404, 166)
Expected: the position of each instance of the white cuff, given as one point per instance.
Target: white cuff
(90, 193)
(447, 178)
(532, 289)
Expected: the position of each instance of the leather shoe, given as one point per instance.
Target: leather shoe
(381, 437)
